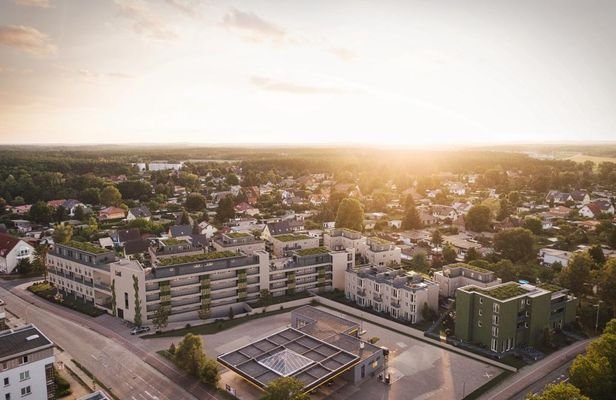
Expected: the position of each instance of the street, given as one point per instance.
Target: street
(119, 364)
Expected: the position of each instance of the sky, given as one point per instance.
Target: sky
(394, 73)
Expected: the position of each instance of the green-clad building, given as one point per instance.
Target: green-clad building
(511, 315)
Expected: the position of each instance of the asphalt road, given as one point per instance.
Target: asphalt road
(126, 368)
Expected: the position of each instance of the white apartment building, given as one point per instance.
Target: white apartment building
(395, 292)
(454, 276)
(26, 364)
(343, 238)
(284, 245)
(380, 252)
(238, 242)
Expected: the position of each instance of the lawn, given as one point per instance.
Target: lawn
(48, 292)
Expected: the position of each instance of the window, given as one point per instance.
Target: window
(377, 288)
(496, 307)
(494, 319)
(7, 396)
(23, 360)
(5, 365)
(495, 331)
(24, 375)
(6, 381)
(360, 283)
(479, 324)
(480, 312)
(494, 345)
(25, 391)
(394, 293)
(480, 300)
(126, 300)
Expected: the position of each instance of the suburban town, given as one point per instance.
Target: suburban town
(251, 278)
(307, 200)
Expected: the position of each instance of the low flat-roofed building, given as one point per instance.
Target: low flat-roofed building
(454, 276)
(343, 238)
(238, 241)
(549, 256)
(377, 251)
(26, 361)
(284, 245)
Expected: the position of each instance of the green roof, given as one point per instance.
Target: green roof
(173, 242)
(550, 287)
(378, 240)
(312, 251)
(467, 266)
(237, 235)
(88, 247)
(291, 237)
(163, 262)
(503, 292)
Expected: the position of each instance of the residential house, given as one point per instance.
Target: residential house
(596, 208)
(111, 213)
(180, 231)
(207, 229)
(12, 251)
(70, 205)
(444, 212)
(281, 228)
(549, 256)
(22, 225)
(139, 212)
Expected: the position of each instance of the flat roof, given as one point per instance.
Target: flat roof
(288, 352)
(23, 340)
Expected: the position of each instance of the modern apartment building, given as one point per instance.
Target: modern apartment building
(343, 238)
(395, 292)
(26, 364)
(192, 285)
(511, 315)
(82, 270)
(285, 245)
(238, 242)
(454, 276)
(377, 251)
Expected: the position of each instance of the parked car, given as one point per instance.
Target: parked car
(139, 329)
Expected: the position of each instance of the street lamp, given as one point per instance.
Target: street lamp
(598, 305)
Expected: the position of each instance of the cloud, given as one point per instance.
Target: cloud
(188, 7)
(251, 23)
(289, 87)
(89, 75)
(143, 21)
(27, 39)
(34, 3)
(342, 53)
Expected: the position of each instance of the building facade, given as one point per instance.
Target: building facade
(285, 245)
(395, 292)
(238, 242)
(454, 276)
(511, 315)
(377, 251)
(26, 364)
(12, 251)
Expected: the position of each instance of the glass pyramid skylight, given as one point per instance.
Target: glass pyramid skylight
(286, 362)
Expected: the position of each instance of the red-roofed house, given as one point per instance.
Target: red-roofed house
(593, 209)
(13, 250)
(111, 213)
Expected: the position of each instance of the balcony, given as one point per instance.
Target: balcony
(102, 286)
(361, 292)
(377, 297)
(395, 303)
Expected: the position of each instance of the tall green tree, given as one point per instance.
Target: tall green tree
(62, 233)
(285, 388)
(195, 202)
(478, 218)
(515, 244)
(40, 259)
(161, 317)
(350, 214)
(411, 218)
(42, 213)
(577, 273)
(607, 285)
(437, 238)
(225, 210)
(189, 354)
(559, 391)
(110, 196)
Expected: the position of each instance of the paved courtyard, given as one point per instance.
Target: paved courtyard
(418, 370)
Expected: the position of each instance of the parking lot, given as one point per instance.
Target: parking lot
(418, 370)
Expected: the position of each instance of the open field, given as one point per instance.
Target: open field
(580, 158)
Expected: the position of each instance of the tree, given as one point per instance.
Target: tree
(610, 327)
(80, 213)
(110, 196)
(195, 202)
(209, 373)
(411, 218)
(478, 218)
(505, 270)
(40, 259)
(607, 288)
(184, 219)
(596, 252)
(534, 225)
(350, 214)
(504, 209)
(559, 391)
(24, 266)
(471, 254)
(592, 375)
(285, 388)
(427, 313)
(91, 196)
(449, 255)
(232, 179)
(62, 233)
(225, 210)
(189, 354)
(437, 238)
(138, 319)
(577, 273)
(161, 317)
(420, 262)
(515, 244)
(41, 212)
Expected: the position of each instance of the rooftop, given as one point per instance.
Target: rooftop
(467, 266)
(24, 339)
(291, 237)
(163, 262)
(501, 292)
(237, 235)
(85, 246)
(288, 352)
(550, 287)
(312, 251)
